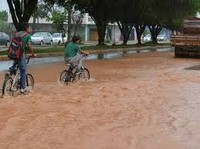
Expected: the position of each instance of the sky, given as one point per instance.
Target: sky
(3, 5)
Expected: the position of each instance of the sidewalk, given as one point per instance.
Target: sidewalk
(102, 51)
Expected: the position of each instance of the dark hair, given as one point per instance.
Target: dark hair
(24, 26)
(75, 38)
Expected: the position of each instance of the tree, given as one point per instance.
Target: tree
(42, 11)
(129, 13)
(163, 13)
(122, 14)
(3, 16)
(58, 19)
(77, 19)
(3, 21)
(99, 11)
(67, 4)
(21, 11)
(155, 14)
(125, 29)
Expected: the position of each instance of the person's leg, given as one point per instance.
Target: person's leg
(77, 60)
(22, 67)
(15, 63)
(80, 63)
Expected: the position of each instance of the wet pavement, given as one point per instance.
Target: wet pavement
(4, 65)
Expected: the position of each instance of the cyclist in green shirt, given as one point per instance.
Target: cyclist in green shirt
(73, 54)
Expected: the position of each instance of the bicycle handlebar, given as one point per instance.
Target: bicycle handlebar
(85, 55)
(28, 59)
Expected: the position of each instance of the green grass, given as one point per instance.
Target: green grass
(58, 49)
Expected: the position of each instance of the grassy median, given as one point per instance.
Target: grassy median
(59, 49)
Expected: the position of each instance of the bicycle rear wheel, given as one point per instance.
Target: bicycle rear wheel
(7, 85)
(29, 82)
(65, 77)
(84, 75)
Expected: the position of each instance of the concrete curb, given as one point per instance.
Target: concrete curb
(101, 51)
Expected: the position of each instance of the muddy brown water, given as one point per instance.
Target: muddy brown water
(143, 101)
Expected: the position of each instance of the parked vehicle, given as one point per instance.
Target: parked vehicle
(147, 38)
(186, 43)
(58, 38)
(162, 37)
(42, 38)
(4, 39)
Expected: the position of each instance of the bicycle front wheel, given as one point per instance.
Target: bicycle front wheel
(84, 75)
(29, 81)
(7, 86)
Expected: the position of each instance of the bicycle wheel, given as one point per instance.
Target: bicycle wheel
(16, 84)
(29, 81)
(65, 77)
(7, 85)
(84, 75)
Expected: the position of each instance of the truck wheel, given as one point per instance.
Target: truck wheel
(177, 52)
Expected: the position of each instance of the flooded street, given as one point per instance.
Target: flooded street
(141, 101)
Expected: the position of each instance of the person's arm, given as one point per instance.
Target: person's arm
(84, 52)
(30, 49)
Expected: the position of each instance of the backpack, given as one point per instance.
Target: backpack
(15, 50)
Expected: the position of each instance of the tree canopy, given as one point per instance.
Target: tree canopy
(155, 14)
(21, 11)
(3, 16)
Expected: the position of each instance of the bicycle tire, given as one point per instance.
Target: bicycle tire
(29, 81)
(5, 89)
(16, 86)
(84, 75)
(64, 77)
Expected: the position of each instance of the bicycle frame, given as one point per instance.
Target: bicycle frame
(72, 67)
(14, 73)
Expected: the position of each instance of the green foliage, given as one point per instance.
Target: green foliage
(155, 14)
(58, 19)
(3, 21)
(4, 26)
(3, 16)
(42, 11)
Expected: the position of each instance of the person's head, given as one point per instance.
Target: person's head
(25, 27)
(76, 39)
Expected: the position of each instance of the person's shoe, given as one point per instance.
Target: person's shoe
(24, 91)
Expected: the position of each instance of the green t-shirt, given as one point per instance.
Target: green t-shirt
(71, 50)
(25, 40)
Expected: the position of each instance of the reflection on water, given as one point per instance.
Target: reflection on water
(5, 65)
(37, 61)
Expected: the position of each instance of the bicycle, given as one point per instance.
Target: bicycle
(71, 74)
(11, 82)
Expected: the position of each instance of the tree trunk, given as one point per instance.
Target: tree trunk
(126, 37)
(34, 24)
(21, 12)
(139, 30)
(125, 29)
(155, 30)
(101, 27)
(69, 22)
